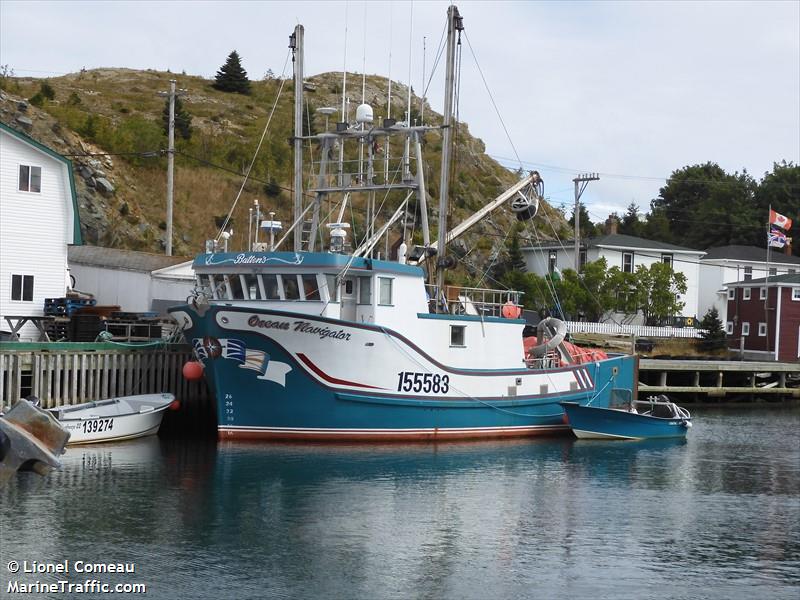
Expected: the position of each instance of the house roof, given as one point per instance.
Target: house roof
(749, 254)
(790, 280)
(616, 240)
(112, 258)
(76, 222)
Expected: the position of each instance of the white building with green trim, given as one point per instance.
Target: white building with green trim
(38, 221)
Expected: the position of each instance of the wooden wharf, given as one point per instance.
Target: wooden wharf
(717, 379)
(68, 373)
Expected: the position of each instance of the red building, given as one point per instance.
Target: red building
(765, 313)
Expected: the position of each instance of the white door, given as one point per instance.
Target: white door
(349, 299)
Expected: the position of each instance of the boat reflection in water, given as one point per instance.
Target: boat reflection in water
(479, 519)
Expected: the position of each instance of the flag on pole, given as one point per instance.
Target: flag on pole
(776, 238)
(779, 220)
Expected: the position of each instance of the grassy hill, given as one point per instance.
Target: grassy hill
(116, 116)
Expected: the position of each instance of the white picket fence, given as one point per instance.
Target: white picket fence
(637, 330)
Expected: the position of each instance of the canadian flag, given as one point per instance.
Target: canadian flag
(779, 220)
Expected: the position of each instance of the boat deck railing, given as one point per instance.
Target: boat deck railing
(485, 302)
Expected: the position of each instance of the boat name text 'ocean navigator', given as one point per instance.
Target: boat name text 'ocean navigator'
(300, 327)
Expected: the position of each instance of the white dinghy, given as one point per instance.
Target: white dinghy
(113, 419)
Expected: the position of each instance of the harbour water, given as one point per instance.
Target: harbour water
(716, 516)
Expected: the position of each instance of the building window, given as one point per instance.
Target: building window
(551, 262)
(729, 328)
(385, 291)
(795, 293)
(30, 179)
(762, 293)
(22, 288)
(762, 329)
(745, 329)
(732, 294)
(748, 273)
(746, 293)
(365, 290)
(457, 335)
(582, 258)
(773, 271)
(627, 262)
(667, 259)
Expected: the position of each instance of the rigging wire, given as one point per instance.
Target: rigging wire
(258, 148)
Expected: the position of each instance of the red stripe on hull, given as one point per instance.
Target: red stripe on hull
(393, 436)
(329, 378)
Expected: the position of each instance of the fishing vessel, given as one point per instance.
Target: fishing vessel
(333, 340)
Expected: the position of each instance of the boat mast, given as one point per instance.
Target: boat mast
(454, 27)
(296, 44)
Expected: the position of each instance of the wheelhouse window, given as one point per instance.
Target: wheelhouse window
(30, 179)
(365, 290)
(252, 287)
(457, 335)
(746, 293)
(333, 289)
(271, 289)
(291, 291)
(762, 329)
(310, 286)
(667, 260)
(627, 262)
(235, 289)
(748, 273)
(745, 329)
(385, 297)
(22, 288)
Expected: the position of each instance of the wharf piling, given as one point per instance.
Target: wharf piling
(719, 379)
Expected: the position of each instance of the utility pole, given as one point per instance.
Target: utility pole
(581, 181)
(296, 44)
(171, 157)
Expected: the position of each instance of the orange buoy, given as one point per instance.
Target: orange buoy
(193, 370)
(511, 310)
(175, 405)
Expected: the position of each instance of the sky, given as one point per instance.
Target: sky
(630, 90)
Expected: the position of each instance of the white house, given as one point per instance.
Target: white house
(38, 220)
(623, 251)
(729, 264)
(134, 281)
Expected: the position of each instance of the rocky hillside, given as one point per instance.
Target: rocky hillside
(109, 122)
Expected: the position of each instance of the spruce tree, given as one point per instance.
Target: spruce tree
(713, 336)
(183, 120)
(232, 77)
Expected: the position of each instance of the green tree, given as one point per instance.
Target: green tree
(713, 334)
(183, 120)
(585, 294)
(46, 90)
(588, 229)
(231, 76)
(780, 189)
(631, 223)
(657, 289)
(621, 287)
(705, 206)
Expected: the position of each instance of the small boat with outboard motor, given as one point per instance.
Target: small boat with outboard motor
(114, 419)
(656, 417)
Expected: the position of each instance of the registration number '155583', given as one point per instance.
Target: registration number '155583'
(97, 425)
(408, 381)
